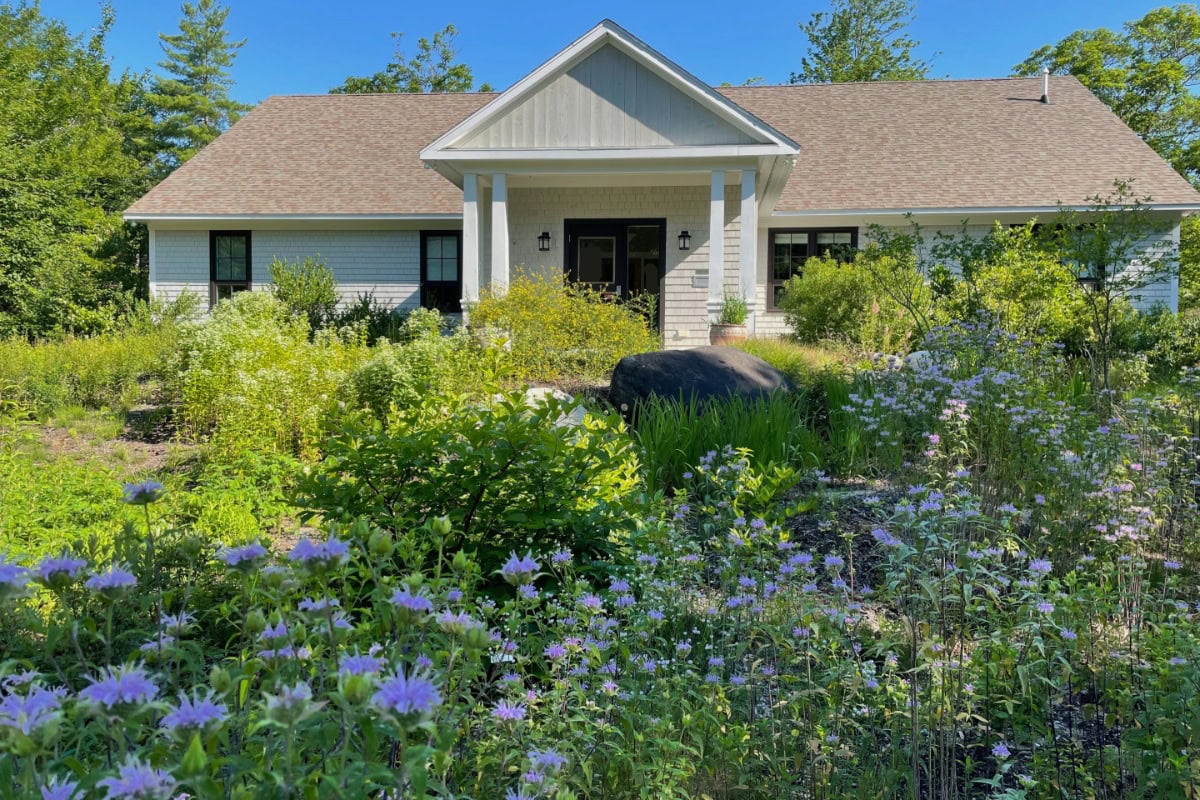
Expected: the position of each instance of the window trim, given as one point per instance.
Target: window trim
(213, 283)
(422, 265)
(812, 234)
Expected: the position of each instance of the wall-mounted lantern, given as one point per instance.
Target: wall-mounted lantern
(544, 242)
(685, 240)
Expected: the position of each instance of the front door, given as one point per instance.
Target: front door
(620, 258)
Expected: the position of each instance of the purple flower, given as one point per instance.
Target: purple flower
(1000, 750)
(519, 569)
(118, 686)
(554, 652)
(290, 702)
(60, 789)
(618, 585)
(141, 494)
(527, 591)
(407, 695)
(560, 557)
(1172, 565)
(454, 595)
(1040, 566)
(137, 780)
(319, 555)
(1069, 634)
(1045, 607)
(413, 604)
(29, 712)
(13, 579)
(356, 664)
(547, 760)
(244, 557)
(591, 602)
(194, 714)
(318, 605)
(509, 712)
(834, 562)
(114, 582)
(57, 573)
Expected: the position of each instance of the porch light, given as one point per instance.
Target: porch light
(544, 242)
(685, 240)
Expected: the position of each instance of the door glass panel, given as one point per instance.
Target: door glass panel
(645, 258)
(597, 259)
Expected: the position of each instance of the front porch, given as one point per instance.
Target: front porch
(505, 214)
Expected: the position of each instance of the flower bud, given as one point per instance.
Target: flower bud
(219, 678)
(195, 760)
(356, 688)
(380, 544)
(461, 562)
(256, 622)
(441, 526)
(476, 638)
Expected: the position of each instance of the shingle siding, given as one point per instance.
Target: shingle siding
(385, 263)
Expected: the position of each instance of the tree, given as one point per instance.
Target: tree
(861, 40)
(431, 70)
(191, 102)
(68, 167)
(1146, 73)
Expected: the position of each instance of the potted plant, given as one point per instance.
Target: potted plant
(731, 327)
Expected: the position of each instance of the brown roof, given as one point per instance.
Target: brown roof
(956, 144)
(864, 146)
(321, 154)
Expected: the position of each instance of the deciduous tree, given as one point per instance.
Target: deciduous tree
(432, 70)
(861, 40)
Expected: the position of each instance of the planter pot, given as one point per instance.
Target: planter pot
(722, 334)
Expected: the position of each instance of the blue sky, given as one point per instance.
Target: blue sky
(308, 46)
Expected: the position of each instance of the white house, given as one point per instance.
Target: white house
(616, 165)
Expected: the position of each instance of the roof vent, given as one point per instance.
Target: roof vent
(1046, 85)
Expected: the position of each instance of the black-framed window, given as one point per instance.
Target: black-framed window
(228, 264)
(441, 271)
(789, 248)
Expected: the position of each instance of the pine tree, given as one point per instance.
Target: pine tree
(191, 102)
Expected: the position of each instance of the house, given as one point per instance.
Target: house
(613, 163)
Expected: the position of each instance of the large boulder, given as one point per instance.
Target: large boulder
(701, 374)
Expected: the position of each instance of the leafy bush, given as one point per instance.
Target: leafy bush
(556, 328)
(307, 288)
(854, 303)
(371, 319)
(428, 363)
(504, 472)
(251, 380)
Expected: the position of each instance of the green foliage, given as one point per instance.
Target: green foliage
(854, 303)
(307, 288)
(803, 363)
(733, 310)
(673, 436)
(252, 380)
(66, 173)
(427, 364)
(113, 370)
(507, 473)
(1189, 263)
(374, 320)
(555, 328)
(191, 102)
(1146, 73)
(432, 69)
(861, 40)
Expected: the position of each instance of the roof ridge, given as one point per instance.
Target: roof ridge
(889, 83)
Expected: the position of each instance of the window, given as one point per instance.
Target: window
(789, 249)
(441, 271)
(228, 264)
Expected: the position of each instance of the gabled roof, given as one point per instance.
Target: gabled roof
(957, 144)
(740, 128)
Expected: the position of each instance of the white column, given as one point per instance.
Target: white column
(470, 265)
(748, 249)
(716, 244)
(152, 254)
(500, 259)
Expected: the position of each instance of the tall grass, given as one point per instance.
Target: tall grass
(674, 434)
(803, 363)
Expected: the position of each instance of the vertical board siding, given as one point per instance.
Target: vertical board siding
(606, 100)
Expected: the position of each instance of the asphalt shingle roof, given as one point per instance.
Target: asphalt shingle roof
(864, 146)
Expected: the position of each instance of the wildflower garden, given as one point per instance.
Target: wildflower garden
(373, 569)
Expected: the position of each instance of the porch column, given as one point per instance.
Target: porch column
(716, 245)
(500, 259)
(748, 249)
(470, 259)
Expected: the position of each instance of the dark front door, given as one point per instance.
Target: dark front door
(622, 258)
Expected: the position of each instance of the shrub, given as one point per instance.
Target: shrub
(854, 303)
(250, 379)
(504, 472)
(306, 288)
(427, 364)
(556, 328)
(371, 319)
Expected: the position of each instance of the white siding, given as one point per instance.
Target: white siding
(606, 100)
(383, 262)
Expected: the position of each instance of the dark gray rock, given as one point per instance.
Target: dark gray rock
(701, 374)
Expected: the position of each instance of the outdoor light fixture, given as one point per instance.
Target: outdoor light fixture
(544, 242)
(685, 240)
